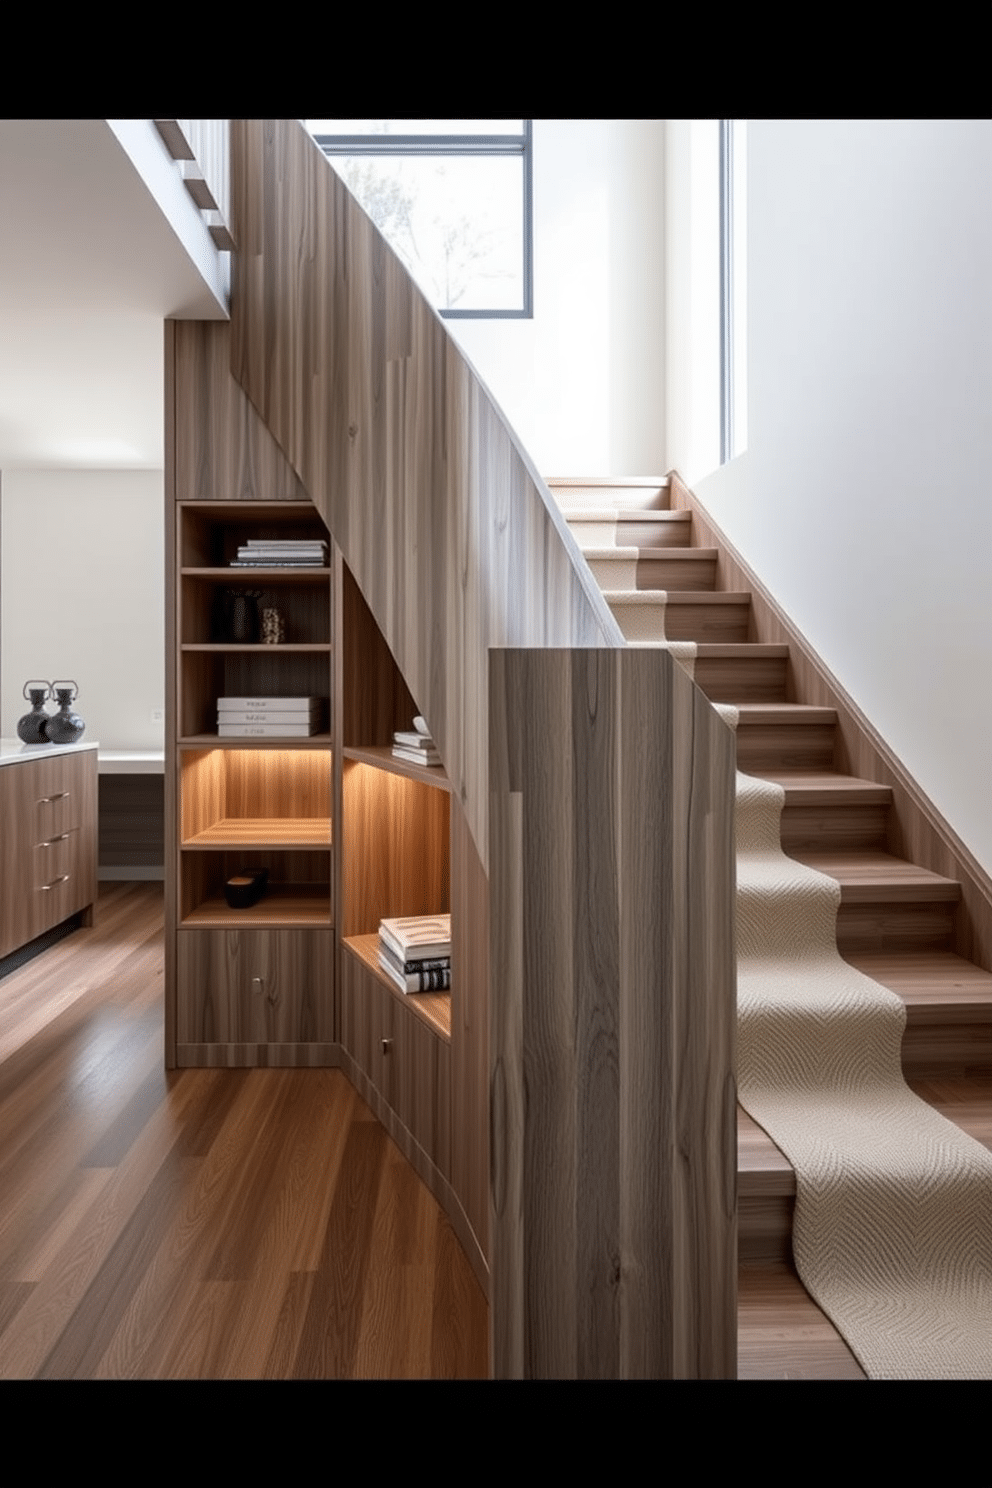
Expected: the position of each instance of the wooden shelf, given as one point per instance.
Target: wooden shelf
(282, 907)
(253, 741)
(272, 574)
(222, 648)
(277, 833)
(382, 758)
(434, 1008)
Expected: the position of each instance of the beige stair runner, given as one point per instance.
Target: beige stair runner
(892, 1233)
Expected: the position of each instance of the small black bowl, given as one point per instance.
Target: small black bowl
(243, 890)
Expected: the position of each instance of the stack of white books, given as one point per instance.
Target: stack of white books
(268, 717)
(278, 552)
(415, 952)
(416, 745)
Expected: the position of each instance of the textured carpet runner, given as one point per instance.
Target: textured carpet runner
(892, 1232)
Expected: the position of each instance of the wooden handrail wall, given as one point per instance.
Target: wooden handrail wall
(451, 535)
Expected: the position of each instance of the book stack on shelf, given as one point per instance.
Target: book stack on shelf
(278, 552)
(415, 952)
(416, 746)
(268, 717)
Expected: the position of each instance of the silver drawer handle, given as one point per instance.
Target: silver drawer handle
(55, 883)
(52, 840)
(47, 800)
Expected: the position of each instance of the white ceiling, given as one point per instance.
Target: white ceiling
(89, 269)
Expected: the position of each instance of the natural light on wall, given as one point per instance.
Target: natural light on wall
(452, 197)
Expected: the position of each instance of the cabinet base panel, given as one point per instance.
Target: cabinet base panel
(25, 953)
(259, 1056)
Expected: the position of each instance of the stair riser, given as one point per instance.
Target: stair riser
(595, 533)
(838, 828)
(653, 573)
(895, 927)
(785, 747)
(627, 498)
(757, 680)
(764, 1228)
(718, 624)
(723, 624)
(942, 1047)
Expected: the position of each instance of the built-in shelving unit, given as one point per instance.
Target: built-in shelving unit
(350, 834)
(253, 985)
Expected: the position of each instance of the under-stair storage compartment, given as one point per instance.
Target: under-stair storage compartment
(255, 996)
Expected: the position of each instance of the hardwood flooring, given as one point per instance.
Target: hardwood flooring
(251, 1224)
(201, 1224)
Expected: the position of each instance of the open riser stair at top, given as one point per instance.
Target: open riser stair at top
(666, 580)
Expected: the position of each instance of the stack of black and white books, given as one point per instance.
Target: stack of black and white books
(416, 745)
(278, 552)
(268, 717)
(415, 952)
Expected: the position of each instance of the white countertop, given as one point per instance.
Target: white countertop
(131, 762)
(13, 752)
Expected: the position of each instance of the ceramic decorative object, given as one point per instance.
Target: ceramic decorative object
(64, 727)
(242, 615)
(273, 627)
(31, 728)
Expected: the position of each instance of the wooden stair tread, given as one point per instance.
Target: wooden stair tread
(865, 877)
(784, 713)
(826, 788)
(675, 596)
(763, 1170)
(687, 556)
(933, 985)
(742, 651)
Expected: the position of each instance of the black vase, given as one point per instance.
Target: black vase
(64, 727)
(243, 623)
(31, 728)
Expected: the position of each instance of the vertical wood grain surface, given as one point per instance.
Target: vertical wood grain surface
(613, 1018)
(451, 535)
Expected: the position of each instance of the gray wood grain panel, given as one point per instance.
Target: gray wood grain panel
(613, 1019)
(451, 535)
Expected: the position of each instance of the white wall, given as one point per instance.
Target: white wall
(863, 501)
(82, 596)
(583, 383)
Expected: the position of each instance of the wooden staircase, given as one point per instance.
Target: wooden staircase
(666, 577)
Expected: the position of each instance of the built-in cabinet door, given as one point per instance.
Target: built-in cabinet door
(404, 1059)
(255, 986)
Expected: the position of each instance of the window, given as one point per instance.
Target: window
(733, 288)
(452, 197)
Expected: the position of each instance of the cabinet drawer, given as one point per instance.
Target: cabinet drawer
(255, 986)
